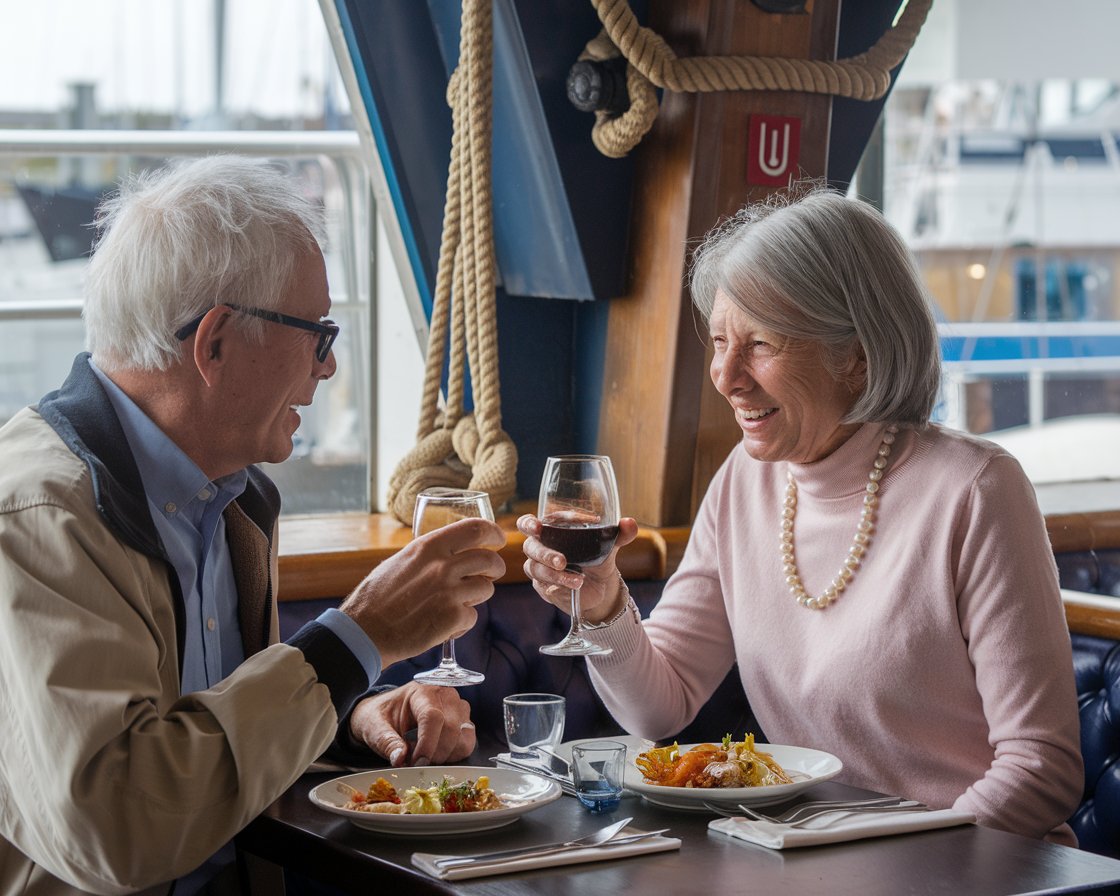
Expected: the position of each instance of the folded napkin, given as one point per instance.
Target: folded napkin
(425, 860)
(837, 827)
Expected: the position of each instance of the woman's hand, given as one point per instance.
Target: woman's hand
(601, 593)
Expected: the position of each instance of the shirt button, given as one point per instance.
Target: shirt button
(170, 507)
(211, 623)
(204, 495)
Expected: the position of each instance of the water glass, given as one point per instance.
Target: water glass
(598, 768)
(533, 720)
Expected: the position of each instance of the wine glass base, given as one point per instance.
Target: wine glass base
(575, 646)
(455, 677)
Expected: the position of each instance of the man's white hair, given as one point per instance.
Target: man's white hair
(175, 242)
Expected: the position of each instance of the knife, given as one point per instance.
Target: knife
(563, 780)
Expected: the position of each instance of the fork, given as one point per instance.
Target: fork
(797, 812)
(908, 806)
(790, 814)
(604, 835)
(808, 811)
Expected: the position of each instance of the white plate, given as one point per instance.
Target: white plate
(520, 791)
(806, 767)
(634, 745)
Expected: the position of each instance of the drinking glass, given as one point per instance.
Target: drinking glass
(578, 510)
(533, 721)
(435, 508)
(598, 769)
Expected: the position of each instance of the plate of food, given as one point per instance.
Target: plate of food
(686, 777)
(450, 799)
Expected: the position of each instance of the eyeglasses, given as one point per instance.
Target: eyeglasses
(328, 330)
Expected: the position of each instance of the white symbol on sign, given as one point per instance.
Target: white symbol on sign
(773, 166)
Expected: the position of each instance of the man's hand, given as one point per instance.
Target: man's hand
(427, 592)
(444, 731)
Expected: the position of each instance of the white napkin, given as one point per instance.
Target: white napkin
(837, 828)
(425, 860)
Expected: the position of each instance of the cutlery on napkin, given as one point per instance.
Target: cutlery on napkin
(630, 842)
(596, 838)
(838, 827)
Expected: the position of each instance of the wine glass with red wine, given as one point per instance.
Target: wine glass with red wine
(578, 510)
(435, 508)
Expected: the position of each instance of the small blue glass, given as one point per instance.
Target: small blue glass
(598, 768)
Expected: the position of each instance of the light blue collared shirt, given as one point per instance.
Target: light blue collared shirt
(187, 511)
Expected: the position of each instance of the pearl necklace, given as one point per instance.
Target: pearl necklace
(859, 543)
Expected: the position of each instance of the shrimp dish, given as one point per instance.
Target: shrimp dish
(446, 796)
(727, 764)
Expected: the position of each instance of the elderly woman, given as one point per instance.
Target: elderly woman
(885, 585)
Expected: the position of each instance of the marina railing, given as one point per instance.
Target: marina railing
(352, 260)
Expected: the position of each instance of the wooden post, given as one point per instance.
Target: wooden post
(662, 422)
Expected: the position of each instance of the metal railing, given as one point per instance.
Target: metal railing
(340, 147)
(338, 151)
(1047, 349)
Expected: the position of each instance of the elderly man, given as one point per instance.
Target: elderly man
(148, 709)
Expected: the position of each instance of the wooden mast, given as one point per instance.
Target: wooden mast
(661, 420)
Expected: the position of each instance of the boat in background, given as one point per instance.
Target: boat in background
(64, 217)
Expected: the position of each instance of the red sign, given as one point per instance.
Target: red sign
(773, 147)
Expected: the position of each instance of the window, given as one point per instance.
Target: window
(149, 75)
(1002, 171)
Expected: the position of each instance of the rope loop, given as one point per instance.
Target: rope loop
(653, 64)
(457, 449)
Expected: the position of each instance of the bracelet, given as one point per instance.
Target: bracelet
(627, 607)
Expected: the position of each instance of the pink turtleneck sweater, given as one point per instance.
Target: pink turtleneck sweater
(943, 673)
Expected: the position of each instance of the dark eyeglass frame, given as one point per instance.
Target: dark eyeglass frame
(328, 330)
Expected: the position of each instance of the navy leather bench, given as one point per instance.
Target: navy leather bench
(1096, 664)
(504, 646)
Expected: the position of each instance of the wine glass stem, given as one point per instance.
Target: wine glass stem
(575, 612)
(449, 653)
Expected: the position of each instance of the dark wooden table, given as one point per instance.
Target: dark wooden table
(962, 860)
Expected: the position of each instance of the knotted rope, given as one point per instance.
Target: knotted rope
(456, 449)
(651, 64)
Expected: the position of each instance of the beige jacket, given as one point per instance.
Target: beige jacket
(110, 782)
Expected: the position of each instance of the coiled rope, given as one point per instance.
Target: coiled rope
(651, 64)
(453, 448)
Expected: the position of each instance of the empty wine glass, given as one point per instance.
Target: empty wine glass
(578, 510)
(435, 508)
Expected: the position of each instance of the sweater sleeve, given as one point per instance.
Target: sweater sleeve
(662, 672)
(1013, 624)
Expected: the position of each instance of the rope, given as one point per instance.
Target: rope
(651, 64)
(452, 448)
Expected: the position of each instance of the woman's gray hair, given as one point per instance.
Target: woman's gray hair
(175, 242)
(810, 264)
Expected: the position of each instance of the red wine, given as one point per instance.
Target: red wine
(584, 545)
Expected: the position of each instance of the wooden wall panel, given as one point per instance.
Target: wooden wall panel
(662, 422)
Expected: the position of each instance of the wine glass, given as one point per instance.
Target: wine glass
(435, 508)
(578, 510)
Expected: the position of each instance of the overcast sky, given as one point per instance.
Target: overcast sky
(158, 55)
